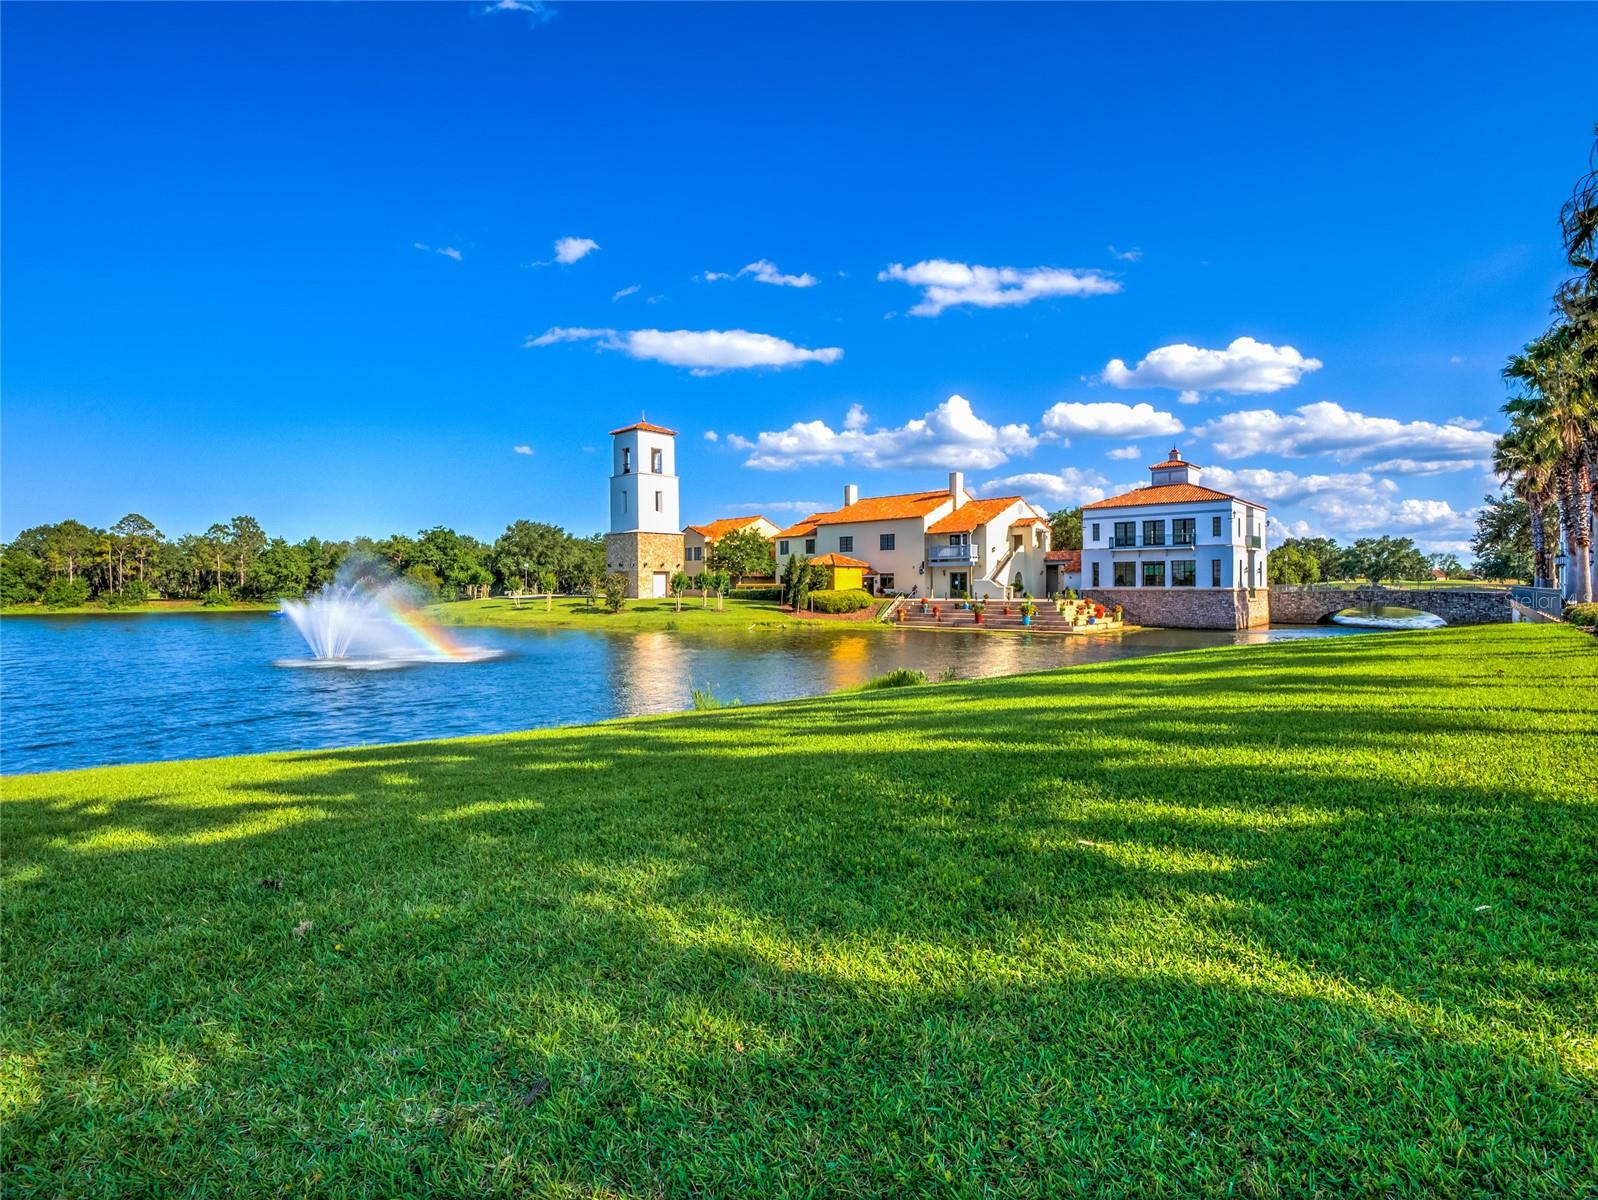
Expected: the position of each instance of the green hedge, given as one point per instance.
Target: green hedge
(846, 601)
(1585, 615)
(756, 593)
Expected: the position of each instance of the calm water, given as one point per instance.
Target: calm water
(83, 691)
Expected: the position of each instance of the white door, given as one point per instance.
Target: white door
(662, 582)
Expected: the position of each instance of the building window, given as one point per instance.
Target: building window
(626, 461)
(884, 582)
(1095, 531)
(1215, 526)
(846, 544)
(1183, 532)
(1095, 571)
(1126, 533)
(699, 554)
(624, 499)
(658, 500)
(1184, 573)
(810, 545)
(1240, 527)
(1154, 533)
(959, 539)
(1215, 569)
(655, 459)
(1125, 574)
(782, 547)
(1153, 574)
(885, 542)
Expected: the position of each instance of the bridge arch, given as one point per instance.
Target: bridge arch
(1457, 606)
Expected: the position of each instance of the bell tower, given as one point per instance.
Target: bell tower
(645, 541)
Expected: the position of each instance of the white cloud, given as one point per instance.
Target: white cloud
(522, 449)
(1328, 428)
(776, 506)
(1288, 487)
(1070, 486)
(739, 442)
(856, 417)
(570, 249)
(1244, 367)
(1131, 255)
(538, 11)
(1189, 397)
(1110, 418)
(705, 351)
(1280, 531)
(764, 271)
(1455, 359)
(1123, 452)
(629, 290)
(1432, 466)
(1352, 514)
(712, 436)
(446, 251)
(951, 435)
(947, 284)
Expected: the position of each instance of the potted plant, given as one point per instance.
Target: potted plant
(1027, 609)
(977, 610)
(1117, 611)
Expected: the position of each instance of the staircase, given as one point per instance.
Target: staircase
(952, 616)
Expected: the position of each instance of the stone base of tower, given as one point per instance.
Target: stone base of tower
(649, 560)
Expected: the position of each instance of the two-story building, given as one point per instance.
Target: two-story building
(934, 543)
(1176, 553)
(699, 539)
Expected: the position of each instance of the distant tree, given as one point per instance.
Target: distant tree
(680, 583)
(587, 564)
(800, 579)
(615, 588)
(245, 544)
(22, 576)
(526, 549)
(717, 582)
(137, 539)
(1503, 542)
(425, 580)
(282, 570)
(739, 553)
(66, 593)
(1448, 564)
(1328, 555)
(1385, 558)
(214, 545)
(1293, 564)
(1065, 529)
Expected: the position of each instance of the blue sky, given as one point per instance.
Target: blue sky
(301, 261)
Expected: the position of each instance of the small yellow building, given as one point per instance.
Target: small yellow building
(846, 572)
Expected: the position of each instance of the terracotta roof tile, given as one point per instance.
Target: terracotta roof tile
(838, 560)
(1166, 493)
(646, 427)
(972, 514)
(904, 506)
(1070, 560)
(801, 529)
(716, 529)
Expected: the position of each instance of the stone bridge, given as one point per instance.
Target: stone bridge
(1457, 606)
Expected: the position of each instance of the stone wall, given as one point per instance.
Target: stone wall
(639, 555)
(1187, 608)
(1457, 606)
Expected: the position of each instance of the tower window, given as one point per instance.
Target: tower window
(655, 460)
(626, 461)
(624, 499)
(657, 501)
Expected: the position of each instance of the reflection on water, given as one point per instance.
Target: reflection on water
(1387, 616)
(203, 685)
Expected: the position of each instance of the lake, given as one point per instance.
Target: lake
(86, 691)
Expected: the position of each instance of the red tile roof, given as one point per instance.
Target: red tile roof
(1176, 460)
(904, 506)
(971, 514)
(803, 529)
(646, 427)
(715, 529)
(838, 560)
(1166, 493)
(1069, 560)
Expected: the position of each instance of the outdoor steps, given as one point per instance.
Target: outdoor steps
(1045, 620)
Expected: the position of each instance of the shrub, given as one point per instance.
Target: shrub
(903, 677)
(615, 589)
(705, 700)
(217, 598)
(1584, 615)
(133, 594)
(64, 593)
(756, 593)
(847, 601)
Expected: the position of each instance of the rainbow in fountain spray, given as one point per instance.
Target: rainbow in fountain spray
(367, 620)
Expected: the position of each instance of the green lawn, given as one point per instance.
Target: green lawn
(150, 606)
(1316, 918)
(575, 613)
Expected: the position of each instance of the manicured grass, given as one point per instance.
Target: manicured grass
(575, 613)
(1304, 919)
(150, 606)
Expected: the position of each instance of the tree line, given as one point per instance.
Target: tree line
(70, 563)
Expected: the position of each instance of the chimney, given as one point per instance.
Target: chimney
(957, 487)
(851, 493)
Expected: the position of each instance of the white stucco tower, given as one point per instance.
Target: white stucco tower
(645, 541)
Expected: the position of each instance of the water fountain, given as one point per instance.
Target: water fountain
(367, 620)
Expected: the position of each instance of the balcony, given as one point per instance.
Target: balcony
(1123, 543)
(951, 556)
(1255, 541)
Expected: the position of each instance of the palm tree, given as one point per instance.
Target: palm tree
(1558, 415)
(1520, 463)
